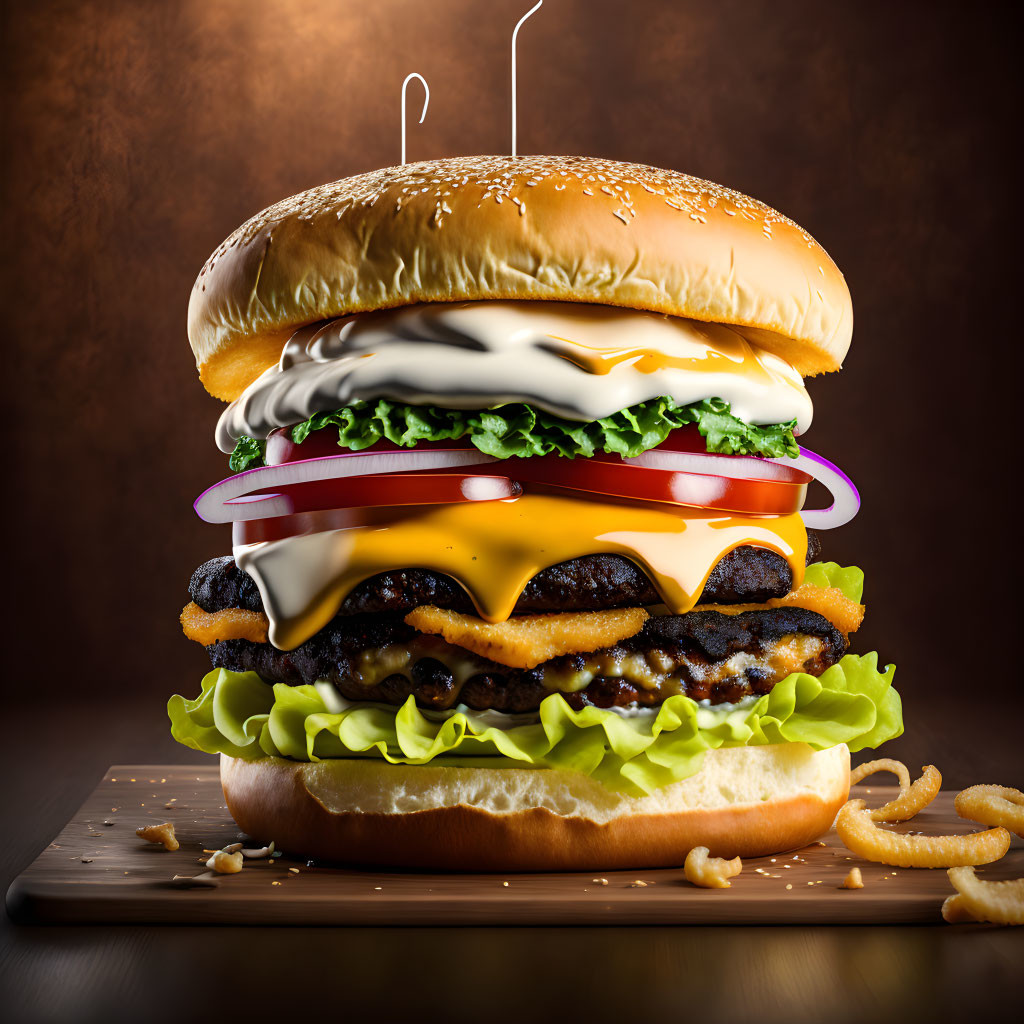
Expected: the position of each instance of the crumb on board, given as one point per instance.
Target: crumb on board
(709, 872)
(853, 879)
(262, 853)
(225, 862)
(162, 833)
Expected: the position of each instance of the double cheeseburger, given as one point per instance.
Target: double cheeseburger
(521, 574)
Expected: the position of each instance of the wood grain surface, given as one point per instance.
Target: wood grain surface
(98, 871)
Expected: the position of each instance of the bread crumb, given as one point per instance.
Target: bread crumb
(853, 879)
(163, 833)
(225, 863)
(710, 872)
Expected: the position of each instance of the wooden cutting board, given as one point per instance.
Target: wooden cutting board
(98, 871)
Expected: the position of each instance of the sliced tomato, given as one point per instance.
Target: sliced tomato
(685, 439)
(334, 505)
(611, 476)
(680, 471)
(281, 448)
(379, 490)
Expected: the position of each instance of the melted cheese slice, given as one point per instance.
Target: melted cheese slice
(492, 549)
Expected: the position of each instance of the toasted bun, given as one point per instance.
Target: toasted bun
(746, 801)
(497, 227)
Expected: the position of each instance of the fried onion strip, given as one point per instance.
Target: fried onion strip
(911, 801)
(993, 805)
(913, 798)
(862, 836)
(978, 900)
(955, 911)
(883, 764)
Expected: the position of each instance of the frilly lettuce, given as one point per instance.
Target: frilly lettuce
(848, 578)
(521, 430)
(239, 714)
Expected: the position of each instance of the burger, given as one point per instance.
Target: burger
(522, 576)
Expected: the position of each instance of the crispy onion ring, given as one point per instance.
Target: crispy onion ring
(913, 798)
(710, 872)
(883, 764)
(977, 900)
(993, 805)
(863, 837)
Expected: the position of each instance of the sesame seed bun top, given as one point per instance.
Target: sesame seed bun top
(576, 229)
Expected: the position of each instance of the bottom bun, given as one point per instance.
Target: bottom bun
(746, 801)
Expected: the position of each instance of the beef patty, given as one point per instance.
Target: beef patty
(746, 575)
(705, 655)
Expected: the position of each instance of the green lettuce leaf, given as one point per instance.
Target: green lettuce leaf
(238, 714)
(522, 431)
(848, 578)
(248, 453)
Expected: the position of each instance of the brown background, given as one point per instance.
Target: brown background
(137, 135)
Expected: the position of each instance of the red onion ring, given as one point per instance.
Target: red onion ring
(233, 499)
(743, 467)
(845, 497)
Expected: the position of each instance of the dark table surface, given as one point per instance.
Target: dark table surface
(493, 974)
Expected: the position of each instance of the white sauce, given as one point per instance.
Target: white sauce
(581, 362)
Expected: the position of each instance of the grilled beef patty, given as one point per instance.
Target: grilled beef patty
(705, 655)
(746, 575)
